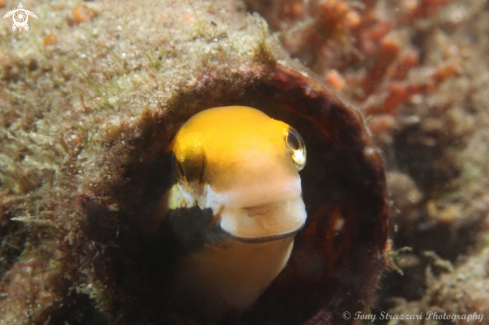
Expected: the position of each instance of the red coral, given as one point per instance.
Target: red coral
(364, 46)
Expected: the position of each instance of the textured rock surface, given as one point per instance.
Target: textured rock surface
(68, 88)
(89, 105)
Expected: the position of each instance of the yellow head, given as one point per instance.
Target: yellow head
(244, 165)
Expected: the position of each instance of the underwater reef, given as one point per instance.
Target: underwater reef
(93, 93)
(418, 70)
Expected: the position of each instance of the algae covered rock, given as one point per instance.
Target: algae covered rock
(92, 96)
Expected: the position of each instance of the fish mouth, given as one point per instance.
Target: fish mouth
(267, 238)
(264, 222)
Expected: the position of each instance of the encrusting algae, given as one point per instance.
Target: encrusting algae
(86, 159)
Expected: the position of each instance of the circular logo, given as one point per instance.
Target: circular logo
(346, 315)
(20, 18)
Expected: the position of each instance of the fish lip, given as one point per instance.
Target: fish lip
(266, 239)
(230, 223)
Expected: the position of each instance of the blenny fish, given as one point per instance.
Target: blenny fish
(210, 218)
(235, 207)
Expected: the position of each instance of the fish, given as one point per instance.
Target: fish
(233, 210)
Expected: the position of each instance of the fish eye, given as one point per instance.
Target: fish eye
(296, 147)
(177, 168)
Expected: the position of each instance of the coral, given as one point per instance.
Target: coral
(418, 70)
(366, 43)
